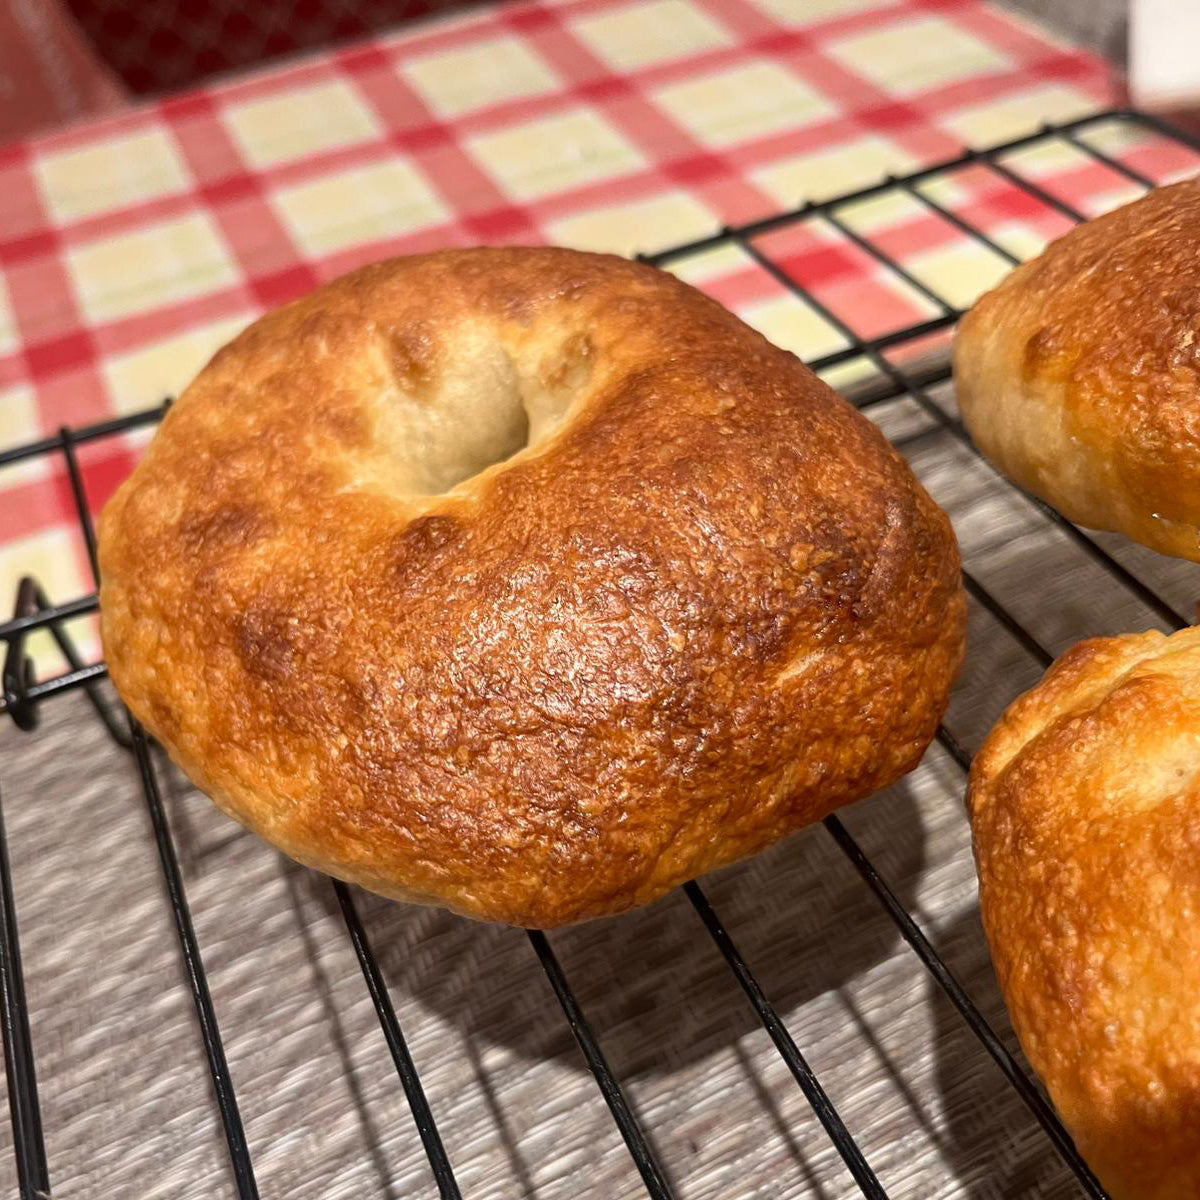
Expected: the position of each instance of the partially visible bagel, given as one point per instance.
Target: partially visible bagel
(1079, 376)
(525, 582)
(1085, 803)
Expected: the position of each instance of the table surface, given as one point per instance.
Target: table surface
(131, 249)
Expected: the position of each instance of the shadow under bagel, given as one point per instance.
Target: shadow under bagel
(653, 986)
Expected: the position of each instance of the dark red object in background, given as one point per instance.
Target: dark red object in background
(173, 43)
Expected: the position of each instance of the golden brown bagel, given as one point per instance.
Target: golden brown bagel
(1085, 803)
(705, 605)
(1079, 376)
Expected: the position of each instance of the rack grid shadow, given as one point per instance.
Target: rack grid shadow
(877, 366)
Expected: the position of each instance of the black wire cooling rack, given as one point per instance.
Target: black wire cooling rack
(24, 693)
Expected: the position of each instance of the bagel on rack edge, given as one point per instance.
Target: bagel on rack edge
(1085, 805)
(1079, 376)
(525, 582)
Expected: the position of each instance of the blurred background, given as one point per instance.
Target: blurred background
(64, 59)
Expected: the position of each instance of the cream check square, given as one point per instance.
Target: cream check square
(960, 273)
(554, 154)
(641, 227)
(1118, 138)
(882, 213)
(917, 56)
(822, 174)
(1019, 239)
(1012, 116)
(793, 326)
(19, 423)
(644, 35)
(702, 268)
(954, 188)
(457, 81)
(846, 377)
(742, 104)
(111, 174)
(355, 207)
(149, 268)
(278, 129)
(806, 12)
(146, 376)
(1049, 158)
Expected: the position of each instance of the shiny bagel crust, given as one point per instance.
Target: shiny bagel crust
(1079, 376)
(1085, 804)
(703, 607)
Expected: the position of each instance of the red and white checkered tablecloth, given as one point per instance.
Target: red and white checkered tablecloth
(131, 248)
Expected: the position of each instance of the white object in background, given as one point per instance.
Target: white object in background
(1164, 53)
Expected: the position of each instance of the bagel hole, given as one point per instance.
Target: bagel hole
(477, 406)
(448, 412)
